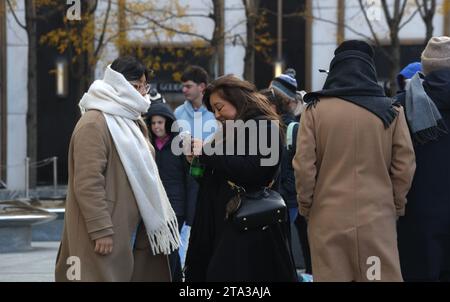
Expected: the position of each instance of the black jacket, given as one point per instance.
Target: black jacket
(424, 231)
(172, 168)
(218, 251)
(286, 180)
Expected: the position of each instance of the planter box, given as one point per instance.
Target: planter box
(16, 221)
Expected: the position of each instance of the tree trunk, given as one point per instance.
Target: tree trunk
(395, 62)
(217, 63)
(430, 29)
(30, 16)
(251, 12)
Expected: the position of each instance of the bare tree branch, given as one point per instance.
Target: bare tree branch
(346, 26)
(15, 16)
(428, 12)
(302, 14)
(427, 15)
(159, 23)
(433, 6)
(102, 36)
(402, 12)
(422, 14)
(366, 17)
(387, 13)
(167, 28)
(409, 19)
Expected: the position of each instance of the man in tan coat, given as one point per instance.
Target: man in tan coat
(115, 200)
(354, 166)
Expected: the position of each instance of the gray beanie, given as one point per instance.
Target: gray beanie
(436, 55)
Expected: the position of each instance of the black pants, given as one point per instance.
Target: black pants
(302, 230)
(174, 258)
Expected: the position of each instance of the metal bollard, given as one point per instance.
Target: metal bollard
(27, 178)
(55, 175)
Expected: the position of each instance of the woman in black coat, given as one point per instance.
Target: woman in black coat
(172, 169)
(218, 250)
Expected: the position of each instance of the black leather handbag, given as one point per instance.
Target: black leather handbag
(258, 210)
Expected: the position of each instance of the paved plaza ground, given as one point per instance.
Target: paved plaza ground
(36, 265)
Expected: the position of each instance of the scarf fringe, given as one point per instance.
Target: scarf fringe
(387, 118)
(431, 134)
(424, 119)
(166, 239)
(312, 103)
(392, 114)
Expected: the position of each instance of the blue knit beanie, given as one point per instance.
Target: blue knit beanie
(409, 71)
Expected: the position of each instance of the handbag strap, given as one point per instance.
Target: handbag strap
(277, 173)
(241, 190)
(236, 188)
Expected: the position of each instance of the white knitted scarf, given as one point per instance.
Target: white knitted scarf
(122, 105)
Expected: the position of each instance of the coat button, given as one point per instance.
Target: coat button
(278, 211)
(279, 220)
(245, 219)
(246, 229)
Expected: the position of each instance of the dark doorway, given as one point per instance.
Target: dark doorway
(294, 34)
(408, 54)
(57, 115)
(174, 60)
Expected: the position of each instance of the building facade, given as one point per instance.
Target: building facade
(307, 44)
(14, 106)
(336, 20)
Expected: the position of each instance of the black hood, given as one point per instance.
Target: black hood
(161, 109)
(437, 87)
(353, 78)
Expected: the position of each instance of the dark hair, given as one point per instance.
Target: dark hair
(131, 68)
(242, 95)
(167, 124)
(195, 74)
(280, 101)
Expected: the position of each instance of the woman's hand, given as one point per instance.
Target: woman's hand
(197, 146)
(196, 149)
(104, 246)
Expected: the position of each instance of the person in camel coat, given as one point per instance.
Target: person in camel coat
(109, 220)
(354, 166)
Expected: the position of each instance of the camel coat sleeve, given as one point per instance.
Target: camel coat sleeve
(403, 164)
(90, 159)
(304, 163)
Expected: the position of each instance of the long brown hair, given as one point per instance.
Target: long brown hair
(242, 95)
(280, 101)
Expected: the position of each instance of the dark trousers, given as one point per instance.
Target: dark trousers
(174, 258)
(302, 230)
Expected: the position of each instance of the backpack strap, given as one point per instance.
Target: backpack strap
(289, 134)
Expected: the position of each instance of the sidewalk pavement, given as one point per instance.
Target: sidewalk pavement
(36, 265)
